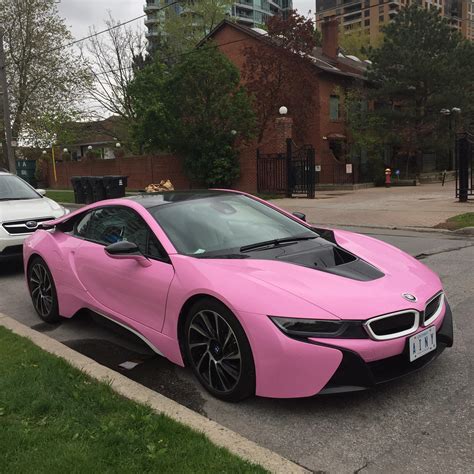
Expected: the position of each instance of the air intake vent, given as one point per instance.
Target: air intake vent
(391, 326)
(433, 309)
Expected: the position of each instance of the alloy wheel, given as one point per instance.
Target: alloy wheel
(41, 289)
(215, 351)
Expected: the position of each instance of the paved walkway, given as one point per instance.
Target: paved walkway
(411, 206)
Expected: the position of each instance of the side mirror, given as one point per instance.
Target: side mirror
(41, 191)
(127, 251)
(300, 216)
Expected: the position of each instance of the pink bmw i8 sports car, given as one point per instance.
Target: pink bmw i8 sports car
(253, 299)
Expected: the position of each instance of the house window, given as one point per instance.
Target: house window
(334, 107)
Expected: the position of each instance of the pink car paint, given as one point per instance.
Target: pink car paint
(149, 300)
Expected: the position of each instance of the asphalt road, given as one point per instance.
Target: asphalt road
(422, 423)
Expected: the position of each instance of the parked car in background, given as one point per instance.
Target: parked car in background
(253, 299)
(22, 210)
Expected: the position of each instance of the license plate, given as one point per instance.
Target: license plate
(422, 343)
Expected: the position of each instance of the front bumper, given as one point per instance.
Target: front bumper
(354, 374)
(12, 246)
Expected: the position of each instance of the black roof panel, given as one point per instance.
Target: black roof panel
(148, 200)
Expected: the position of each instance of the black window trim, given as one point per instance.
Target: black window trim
(79, 217)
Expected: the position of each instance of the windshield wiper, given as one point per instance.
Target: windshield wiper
(276, 242)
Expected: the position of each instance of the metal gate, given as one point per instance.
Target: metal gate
(287, 173)
(465, 167)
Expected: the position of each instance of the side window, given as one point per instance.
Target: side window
(334, 107)
(109, 225)
(81, 227)
(154, 250)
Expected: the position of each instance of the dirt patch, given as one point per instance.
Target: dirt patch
(152, 371)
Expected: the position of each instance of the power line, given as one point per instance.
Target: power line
(118, 25)
(174, 56)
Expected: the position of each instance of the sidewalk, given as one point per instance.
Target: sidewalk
(412, 206)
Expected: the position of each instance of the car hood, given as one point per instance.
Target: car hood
(340, 296)
(29, 209)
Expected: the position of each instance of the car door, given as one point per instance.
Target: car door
(122, 287)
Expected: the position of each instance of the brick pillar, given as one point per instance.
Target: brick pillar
(283, 131)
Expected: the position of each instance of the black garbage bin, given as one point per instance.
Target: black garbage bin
(79, 196)
(115, 186)
(87, 189)
(26, 169)
(98, 188)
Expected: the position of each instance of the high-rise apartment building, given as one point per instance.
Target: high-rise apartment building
(371, 15)
(256, 12)
(251, 13)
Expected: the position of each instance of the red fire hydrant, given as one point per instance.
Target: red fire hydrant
(388, 177)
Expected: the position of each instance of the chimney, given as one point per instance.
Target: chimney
(330, 37)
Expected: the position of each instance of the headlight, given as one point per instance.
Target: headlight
(299, 327)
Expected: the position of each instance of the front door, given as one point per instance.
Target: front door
(122, 287)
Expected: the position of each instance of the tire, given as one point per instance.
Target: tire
(43, 291)
(218, 351)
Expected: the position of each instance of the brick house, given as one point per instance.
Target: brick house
(99, 137)
(326, 130)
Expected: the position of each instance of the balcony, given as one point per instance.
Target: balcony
(152, 34)
(244, 4)
(151, 21)
(152, 6)
(244, 19)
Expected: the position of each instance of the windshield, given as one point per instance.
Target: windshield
(13, 188)
(222, 224)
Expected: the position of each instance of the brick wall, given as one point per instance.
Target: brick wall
(141, 171)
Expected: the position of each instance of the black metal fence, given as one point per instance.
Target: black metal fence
(465, 167)
(287, 173)
(272, 173)
(302, 171)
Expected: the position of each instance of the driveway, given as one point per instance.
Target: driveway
(422, 423)
(408, 206)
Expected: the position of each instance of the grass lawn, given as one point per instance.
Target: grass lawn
(60, 196)
(458, 222)
(54, 419)
(66, 196)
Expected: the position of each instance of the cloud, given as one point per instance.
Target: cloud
(80, 15)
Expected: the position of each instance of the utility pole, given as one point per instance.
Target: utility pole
(6, 106)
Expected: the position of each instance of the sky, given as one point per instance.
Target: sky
(81, 14)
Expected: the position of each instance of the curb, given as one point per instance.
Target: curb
(218, 434)
(465, 231)
(393, 227)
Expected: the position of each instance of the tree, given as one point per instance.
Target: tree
(149, 129)
(45, 77)
(421, 67)
(369, 132)
(186, 25)
(197, 110)
(276, 71)
(112, 59)
(357, 42)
